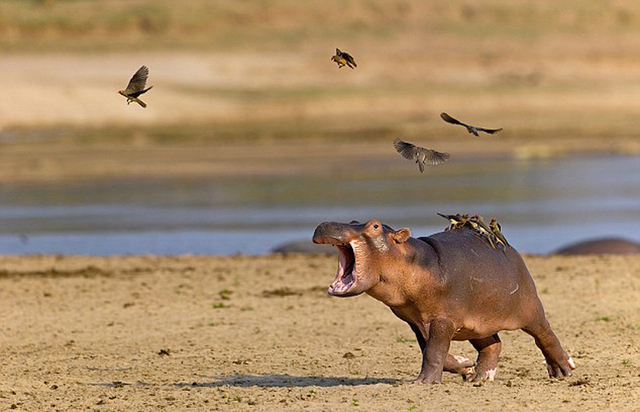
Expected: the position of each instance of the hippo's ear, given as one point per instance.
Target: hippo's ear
(401, 236)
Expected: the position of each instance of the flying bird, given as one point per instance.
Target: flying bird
(421, 155)
(136, 86)
(471, 129)
(343, 59)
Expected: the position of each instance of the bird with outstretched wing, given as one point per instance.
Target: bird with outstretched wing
(475, 130)
(421, 155)
(136, 86)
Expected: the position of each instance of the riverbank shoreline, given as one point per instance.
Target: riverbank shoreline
(59, 161)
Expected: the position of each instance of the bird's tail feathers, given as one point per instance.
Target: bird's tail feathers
(140, 102)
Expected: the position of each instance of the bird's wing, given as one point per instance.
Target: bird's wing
(500, 236)
(349, 58)
(490, 131)
(433, 157)
(450, 119)
(138, 81)
(407, 150)
(338, 52)
(483, 225)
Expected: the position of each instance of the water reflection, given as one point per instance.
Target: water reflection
(541, 206)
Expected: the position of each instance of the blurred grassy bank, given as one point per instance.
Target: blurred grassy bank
(108, 24)
(259, 70)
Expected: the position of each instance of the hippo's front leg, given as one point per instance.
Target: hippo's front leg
(453, 363)
(435, 354)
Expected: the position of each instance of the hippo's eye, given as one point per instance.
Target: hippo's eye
(375, 226)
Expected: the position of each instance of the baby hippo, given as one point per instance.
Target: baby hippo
(449, 286)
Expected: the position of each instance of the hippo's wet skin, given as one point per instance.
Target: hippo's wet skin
(449, 286)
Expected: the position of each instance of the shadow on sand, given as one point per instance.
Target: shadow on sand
(264, 381)
(284, 381)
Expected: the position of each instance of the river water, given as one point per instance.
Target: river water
(541, 205)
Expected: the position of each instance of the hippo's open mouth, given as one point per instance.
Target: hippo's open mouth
(352, 256)
(347, 275)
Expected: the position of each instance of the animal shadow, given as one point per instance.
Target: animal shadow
(285, 381)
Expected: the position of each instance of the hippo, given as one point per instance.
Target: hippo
(611, 245)
(448, 286)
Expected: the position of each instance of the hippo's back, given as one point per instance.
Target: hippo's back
(464, 254)
(488, 282)
(465, 248)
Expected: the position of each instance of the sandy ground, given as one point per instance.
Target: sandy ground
(150, 333)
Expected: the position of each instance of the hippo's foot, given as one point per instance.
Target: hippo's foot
(562, 368)
(419, 379)
(482, 374)
(452, 363)
(460, 365)
(559, 364)
(428, 378)
(488, 354)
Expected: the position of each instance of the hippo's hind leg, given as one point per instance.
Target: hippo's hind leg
(559, 364)
(453, 363)
(488, 354)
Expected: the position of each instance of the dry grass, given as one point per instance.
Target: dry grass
(260, 69)
(110, 23)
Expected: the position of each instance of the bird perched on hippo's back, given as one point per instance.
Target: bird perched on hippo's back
(136, 86)
(497, 232)
(343, 59)
(478, 223)
(456, 221)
